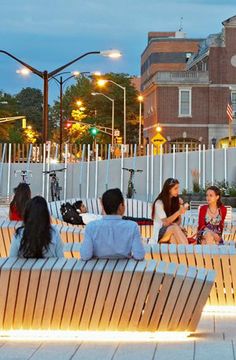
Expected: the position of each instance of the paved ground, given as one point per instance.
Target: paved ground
(215, 339)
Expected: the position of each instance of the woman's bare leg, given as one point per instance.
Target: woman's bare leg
(208, 238)
(175, 235)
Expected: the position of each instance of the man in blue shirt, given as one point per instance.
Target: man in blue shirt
(112, 237)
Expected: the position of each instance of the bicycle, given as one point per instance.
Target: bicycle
(24, 174)
(130, 189)
(54, 183)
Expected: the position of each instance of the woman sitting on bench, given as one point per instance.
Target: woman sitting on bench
(211, 218)
(166, 213)
(22, 194)
(37, 238)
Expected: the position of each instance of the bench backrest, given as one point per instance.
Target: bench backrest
(101, 295)
(135, 208)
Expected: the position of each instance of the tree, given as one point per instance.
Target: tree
(98, 108)
(30, 102)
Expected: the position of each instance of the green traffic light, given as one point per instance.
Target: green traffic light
(93, 131)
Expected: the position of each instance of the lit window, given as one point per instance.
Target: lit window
(185, 102)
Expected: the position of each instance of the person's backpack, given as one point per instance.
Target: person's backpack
(70, 215)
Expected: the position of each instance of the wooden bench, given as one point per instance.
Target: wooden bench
(101, 295)
(134, 208)
(222, 259)
(7, 229)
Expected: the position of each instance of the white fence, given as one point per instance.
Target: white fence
(91, 177)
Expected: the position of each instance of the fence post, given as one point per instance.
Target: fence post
(173, 162)
(108, 167)
(212, 164)
(44, 168)
(48, 168)
(65, 172)
(152, 172)
(199, 163)
(225, 164)
(186, 167)
(96, 174)
(121, 168)
(204, 166)
(9, 172)
(161, 167)
(88, 171)
(81, 171)
(148, 154)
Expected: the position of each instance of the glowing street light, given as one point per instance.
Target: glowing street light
(24, 71)
(79, 103)
(158, 128)
(46, 76)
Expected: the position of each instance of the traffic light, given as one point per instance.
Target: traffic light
(93, 131)
(119, 140)
(68, 125)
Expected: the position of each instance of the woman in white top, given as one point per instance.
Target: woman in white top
(36, 238)
(166, 214)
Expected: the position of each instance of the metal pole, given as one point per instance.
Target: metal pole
(186, 168)
(199, 163)
(152, 171)
(9, 172)
(161, 166)
(108, 166)
(121, 166)
(204, 166)
(96, 174)
(148, 154)
(81, 171)
(112, 122)
(124, 116)
(45, 106)
(48, 168)
(88, 168)
(65, 172)
(173, 164)
(140, 123)
(61, 116)
(2, 161)
(225, 164)
(44, 168)
(212, 164)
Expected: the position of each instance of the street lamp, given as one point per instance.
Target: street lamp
(140, 99)
(45, 75)
(101, 83)
(112, 114)
(158, 128)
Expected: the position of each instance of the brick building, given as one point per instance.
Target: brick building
(187, 84)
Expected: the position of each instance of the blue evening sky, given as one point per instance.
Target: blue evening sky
(49, 33)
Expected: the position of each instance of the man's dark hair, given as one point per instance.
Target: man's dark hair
(111, 199)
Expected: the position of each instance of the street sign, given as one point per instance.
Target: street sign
(158, 140)
(117, 133)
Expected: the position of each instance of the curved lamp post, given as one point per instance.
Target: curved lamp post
(112, 114)
(45, 75)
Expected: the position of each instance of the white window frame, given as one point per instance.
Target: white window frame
(190, 102)
(234, 108)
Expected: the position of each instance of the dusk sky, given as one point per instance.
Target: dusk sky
(49, 33)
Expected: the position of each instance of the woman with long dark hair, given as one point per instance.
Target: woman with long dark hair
(166, 214)
(22, 194)
(211, 218)
(37, 238)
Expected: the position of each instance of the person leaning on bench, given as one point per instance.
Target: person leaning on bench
(112, 237)
(36, 238)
